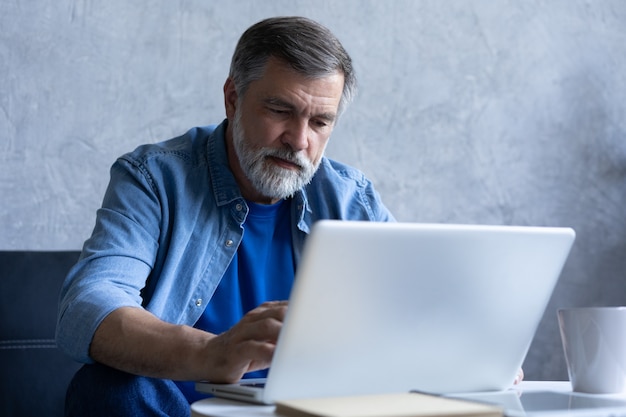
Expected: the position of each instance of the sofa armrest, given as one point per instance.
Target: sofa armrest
(35, 374)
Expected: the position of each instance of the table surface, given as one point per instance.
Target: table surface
(218, 407)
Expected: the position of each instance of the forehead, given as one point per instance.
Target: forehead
(279, 80)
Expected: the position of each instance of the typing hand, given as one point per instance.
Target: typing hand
(247, 346)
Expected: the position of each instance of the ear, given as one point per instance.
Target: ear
(230, 98)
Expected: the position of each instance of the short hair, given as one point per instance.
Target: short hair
(308, 47)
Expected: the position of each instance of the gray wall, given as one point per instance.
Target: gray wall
(496, 112)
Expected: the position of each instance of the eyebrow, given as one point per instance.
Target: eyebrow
(276, 101)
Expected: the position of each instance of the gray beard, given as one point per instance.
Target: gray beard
(267, 178)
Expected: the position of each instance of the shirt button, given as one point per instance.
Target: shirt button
(239, 207)
(229, 243)
(199, 302)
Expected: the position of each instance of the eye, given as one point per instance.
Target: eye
(320, 123)
(281, 111)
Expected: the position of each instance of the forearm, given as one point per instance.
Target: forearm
(135, 341)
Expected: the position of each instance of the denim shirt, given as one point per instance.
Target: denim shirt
(170, 222)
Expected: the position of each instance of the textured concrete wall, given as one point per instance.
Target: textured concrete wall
(498, 112)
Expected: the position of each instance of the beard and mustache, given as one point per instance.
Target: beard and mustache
(266, 177)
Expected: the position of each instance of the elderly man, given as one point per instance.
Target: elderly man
(196, 244)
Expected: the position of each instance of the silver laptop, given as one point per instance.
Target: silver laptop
(394, 307)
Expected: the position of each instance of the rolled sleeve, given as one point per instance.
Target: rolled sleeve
(97, 289)
(115, 262)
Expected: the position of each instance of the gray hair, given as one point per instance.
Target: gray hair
(308, 47)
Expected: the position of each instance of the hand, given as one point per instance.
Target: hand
(247, 346)
(519, 377)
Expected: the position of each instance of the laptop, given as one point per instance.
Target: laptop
(394, 307)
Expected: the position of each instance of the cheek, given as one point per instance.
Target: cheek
(317, 148)
(260, 134)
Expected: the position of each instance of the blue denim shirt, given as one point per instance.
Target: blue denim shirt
(171, 220)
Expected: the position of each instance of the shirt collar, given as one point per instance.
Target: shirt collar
(225, 186)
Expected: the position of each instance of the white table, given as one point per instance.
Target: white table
(217, 407)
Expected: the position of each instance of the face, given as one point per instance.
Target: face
(279, 129)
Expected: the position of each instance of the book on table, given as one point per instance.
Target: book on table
(386, 405)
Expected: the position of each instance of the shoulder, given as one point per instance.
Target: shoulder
(189, 146)
(172, 164)
(331, 170)
(340, 191)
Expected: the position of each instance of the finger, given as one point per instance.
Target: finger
(272, 310)
(262, 324)
(240, 358)
(275, 303)
(261, 331)
(271, 306)
(249, 345)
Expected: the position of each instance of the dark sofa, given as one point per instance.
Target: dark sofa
(35, 374)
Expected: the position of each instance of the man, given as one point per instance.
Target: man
(199, 237)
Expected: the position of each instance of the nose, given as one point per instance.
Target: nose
(296, 134)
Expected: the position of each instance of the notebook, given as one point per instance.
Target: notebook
(392, 307)
(387, 405)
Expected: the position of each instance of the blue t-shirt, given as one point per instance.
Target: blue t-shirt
(261, 270)
(155, 244)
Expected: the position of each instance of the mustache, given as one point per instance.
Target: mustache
(296, 158)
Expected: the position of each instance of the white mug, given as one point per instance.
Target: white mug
(594, 343)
